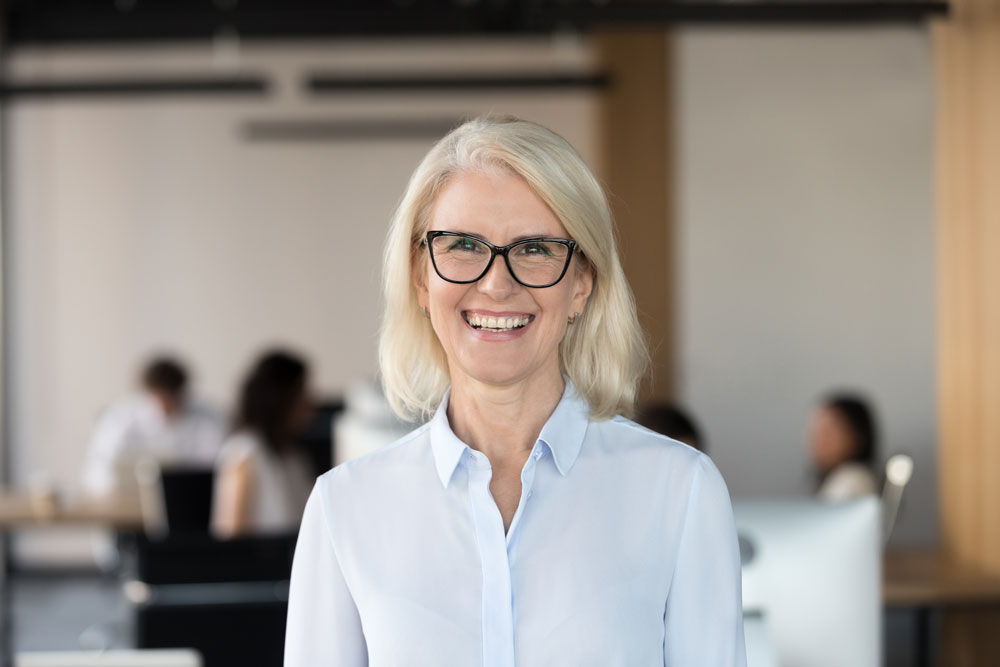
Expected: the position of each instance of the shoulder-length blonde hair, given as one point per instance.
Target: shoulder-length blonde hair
(604, 353)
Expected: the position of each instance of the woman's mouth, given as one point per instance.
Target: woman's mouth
(496, 324)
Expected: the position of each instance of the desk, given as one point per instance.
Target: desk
(20, 509)
(927, 580)
(927, 577)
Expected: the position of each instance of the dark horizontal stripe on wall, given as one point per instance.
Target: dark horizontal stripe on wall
(347, 130)
(804, 12)
(326, 84)
(105, 22)
(99, 21)
(135, 87)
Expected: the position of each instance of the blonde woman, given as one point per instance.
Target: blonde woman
(528, 522)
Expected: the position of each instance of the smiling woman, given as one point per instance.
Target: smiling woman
(565, 201)
(528, 522)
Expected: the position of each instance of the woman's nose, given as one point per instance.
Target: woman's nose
(497, 283)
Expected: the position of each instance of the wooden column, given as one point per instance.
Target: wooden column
(967, 53)
(635, 170)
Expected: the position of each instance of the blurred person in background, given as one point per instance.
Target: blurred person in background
(263, 475)
(672, 421)
(842, 442)
(159, 422)
(528, 521)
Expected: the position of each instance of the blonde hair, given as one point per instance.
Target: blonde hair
(603, 353)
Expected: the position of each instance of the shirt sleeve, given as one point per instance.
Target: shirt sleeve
(847, 482)
(108, 448)
(324, 627)
(704, 616)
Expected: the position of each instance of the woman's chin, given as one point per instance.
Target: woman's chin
(506, 370)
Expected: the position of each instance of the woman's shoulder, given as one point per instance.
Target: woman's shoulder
(848, 481)
(620, 444)
(381, 466)
(666, 472)
(240, 445)
(626, 436)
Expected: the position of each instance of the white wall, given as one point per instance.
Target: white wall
(805, 250)
(143, 224)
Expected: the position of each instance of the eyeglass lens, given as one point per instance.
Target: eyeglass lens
(464, 259)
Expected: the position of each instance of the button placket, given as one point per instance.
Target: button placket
(497, 608)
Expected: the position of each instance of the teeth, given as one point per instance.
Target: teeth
(497, 323)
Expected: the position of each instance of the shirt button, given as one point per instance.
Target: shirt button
(538, 455)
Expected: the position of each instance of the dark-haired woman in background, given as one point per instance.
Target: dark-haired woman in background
(842, 438)
(263, 477)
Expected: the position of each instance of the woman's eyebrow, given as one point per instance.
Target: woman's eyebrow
(459, 231)
(532, 236)
(521, 237)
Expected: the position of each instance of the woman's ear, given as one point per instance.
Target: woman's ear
(582, 288)
(418, 274)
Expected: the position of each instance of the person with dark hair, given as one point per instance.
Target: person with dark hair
(159, 422)
(670, 420)
(263, 477)
(843, 441)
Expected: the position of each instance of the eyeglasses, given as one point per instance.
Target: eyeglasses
(462, 258)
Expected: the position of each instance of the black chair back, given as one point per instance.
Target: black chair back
(228, 599)
(187, 499)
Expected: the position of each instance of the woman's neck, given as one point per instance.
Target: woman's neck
(503, 422)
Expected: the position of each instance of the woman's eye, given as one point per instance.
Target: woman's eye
(535, 249)
(466, 245)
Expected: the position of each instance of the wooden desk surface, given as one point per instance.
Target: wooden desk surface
(21, 509)
(928, 578)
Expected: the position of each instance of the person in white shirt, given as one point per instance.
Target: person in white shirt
(158, 423)
(528, 522)
(263, 476)
(842, 440)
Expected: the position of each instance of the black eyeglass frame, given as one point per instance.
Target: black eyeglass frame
(503, 251)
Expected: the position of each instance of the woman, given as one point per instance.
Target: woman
(843, 443)
(527, 522)
(262, 474)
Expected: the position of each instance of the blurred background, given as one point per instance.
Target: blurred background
(803, 198)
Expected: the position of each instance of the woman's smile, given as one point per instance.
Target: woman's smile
(497, 326)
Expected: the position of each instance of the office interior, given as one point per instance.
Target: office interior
(803, 199)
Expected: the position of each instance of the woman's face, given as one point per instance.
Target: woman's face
(831, 441)
(500, 208)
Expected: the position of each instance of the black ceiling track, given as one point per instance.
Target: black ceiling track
(313, 130)
(742, 12)
(330, 84)
(135, 87)
(110, 21)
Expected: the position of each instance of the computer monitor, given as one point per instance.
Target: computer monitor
(165, 658)
(812, 575)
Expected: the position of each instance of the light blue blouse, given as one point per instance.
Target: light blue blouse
(622, 552)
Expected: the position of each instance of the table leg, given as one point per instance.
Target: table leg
(922, 657)
(6, 605)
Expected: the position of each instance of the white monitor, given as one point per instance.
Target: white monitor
(812, 576)
(146, 658)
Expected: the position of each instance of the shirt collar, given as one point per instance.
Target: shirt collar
(563, 434)
(447, 448)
